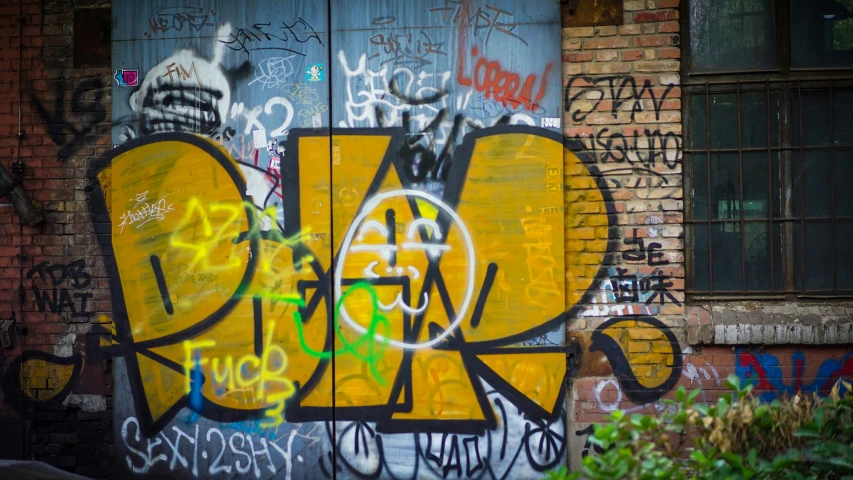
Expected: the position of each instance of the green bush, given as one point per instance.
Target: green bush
(803, 437)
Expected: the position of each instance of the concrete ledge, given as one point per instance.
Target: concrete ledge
(765, 323)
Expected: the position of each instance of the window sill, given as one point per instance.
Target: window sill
(764, 323)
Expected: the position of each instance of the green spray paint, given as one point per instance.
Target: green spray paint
(367, 347)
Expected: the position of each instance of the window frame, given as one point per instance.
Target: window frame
(787, 82)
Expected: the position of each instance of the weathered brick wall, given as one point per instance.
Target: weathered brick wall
(52, 278)
(635, 338)
(623, 110)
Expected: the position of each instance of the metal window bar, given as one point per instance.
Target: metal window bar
(771, 235)
(825, 85)
(740, 185)
(802, 188)
(831, 186)
(708, 164)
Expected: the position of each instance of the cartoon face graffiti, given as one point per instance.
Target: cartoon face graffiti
(392, 249)
(314, 73)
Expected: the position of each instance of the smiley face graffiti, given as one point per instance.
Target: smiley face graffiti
(373, 247)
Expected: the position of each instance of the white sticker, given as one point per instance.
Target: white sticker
(316, 120)
(551, 122)
(260, 137)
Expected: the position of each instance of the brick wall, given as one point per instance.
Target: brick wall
(636, 340)
(52, 279)
(623, 110)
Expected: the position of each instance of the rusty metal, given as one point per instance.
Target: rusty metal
(776, 150)
(770, 235)
(708, 164)
(765, 219)
(832, 186)
(582, 13)
(802, 190)
(749, 81)
(824, 297)
(752, 294)
(762, 149)
(786, 181)
(740, 184)
(11, 188)
(723, 298)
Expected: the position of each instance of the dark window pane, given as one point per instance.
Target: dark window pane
(821, 33)
(723, 117)
(755, 189)
(815, 116)
(699, 186)
(698, 122)
(754, 119)
(724, 121)
(818, 255)
(725, 186)
(844, 254)
(779, 282)
(816, 184)
(778, 192)
(728, 256)
(701, 274)
(757, 244)
(842, 106)
(843, 180)
(798, 255)
(728, 35)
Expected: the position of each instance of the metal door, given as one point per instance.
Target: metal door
(337, 232)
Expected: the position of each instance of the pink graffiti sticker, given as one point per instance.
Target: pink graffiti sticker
(127, 78)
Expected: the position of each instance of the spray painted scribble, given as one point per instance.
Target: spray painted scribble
(62, 288)
(614, 338)
(769, 376)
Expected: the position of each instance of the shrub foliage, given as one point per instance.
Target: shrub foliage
(796, 438)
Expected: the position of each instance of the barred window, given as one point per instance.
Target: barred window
(769, 149)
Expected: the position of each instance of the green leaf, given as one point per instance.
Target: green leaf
(636, 420)
(734, 458)
(733, 382)
(818, 416)
(698, 456)
(695, 393)
(807, 431)
(841, 462)
(722, 406)
(603, 443)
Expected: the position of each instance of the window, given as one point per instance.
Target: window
(768, 96)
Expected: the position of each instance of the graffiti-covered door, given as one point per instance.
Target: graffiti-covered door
(447, 208)
(337, 231)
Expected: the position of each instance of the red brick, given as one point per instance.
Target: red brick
(607, 42)
(631, 55)
(656, 16)
(656, 40)
(669, 27)
(578, 57)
